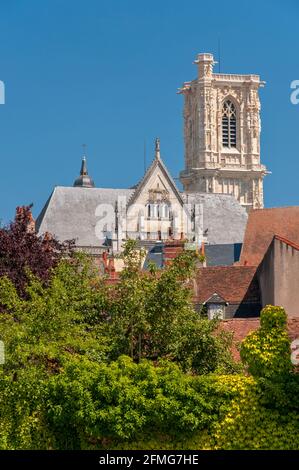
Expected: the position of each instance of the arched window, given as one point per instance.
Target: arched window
(229, 125)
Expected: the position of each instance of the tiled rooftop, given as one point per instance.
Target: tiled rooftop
(233, 283)
(262, 226)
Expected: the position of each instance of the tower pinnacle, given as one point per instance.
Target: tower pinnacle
(157, 148)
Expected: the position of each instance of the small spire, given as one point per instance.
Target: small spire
(84, 181)
(157, 149)
(83, 171)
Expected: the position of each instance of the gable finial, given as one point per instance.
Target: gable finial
(157, 148)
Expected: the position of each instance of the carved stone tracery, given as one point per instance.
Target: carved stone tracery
(204, 147)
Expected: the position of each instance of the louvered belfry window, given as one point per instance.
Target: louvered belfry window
(229, 125)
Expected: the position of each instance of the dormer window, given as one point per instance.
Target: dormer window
(216, 307)
(229, 125)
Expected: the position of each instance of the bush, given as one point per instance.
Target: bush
(267, 351)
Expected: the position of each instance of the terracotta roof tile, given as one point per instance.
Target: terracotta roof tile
(233, 283)
(262, 226)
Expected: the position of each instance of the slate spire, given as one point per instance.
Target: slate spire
(84, 180)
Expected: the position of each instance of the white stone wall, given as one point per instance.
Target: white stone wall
(156, 191)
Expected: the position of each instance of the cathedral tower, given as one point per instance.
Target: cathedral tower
(222, 134)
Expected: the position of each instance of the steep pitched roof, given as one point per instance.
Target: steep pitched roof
(262, 226)
(224, 219)
(71, 213)
(156, 163)
(233, 283)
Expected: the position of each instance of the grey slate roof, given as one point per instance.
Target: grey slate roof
(223, 217)
(222, 255)
(70, 213)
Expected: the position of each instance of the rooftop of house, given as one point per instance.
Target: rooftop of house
(232, 283)
(262, 226)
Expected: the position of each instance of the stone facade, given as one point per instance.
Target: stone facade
(222, 134)
(220, 184)
(153, 211)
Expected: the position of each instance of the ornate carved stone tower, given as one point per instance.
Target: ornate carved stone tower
(222, 134)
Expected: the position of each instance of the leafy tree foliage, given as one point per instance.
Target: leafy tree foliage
(132, 365)
(153, 316)
(52, 323)
(267, 350)
(21, 249)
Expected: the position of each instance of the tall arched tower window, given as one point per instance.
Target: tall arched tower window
(229, 124)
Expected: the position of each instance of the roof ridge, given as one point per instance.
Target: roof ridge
(287, 242)
(155, 162)
(219, 268)
(253, 211)
(140, 181)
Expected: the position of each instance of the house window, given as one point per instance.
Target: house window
(229, 125)
(216, 311)
(166, 211)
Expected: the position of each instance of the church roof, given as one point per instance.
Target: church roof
(224, 219)
(84, 180)
(69, 213)
(157, 162)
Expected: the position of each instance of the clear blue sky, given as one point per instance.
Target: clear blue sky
(106, 74)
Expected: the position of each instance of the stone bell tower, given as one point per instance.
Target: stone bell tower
(222, 134)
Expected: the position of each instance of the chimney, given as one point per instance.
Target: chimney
(111, 268)
(104, 258)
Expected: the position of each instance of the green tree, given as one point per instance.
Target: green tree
(153, 316)
(56, 320)
(267, 351)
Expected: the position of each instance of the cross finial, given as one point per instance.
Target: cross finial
(84, 146)
(83, 166)
(157, 148)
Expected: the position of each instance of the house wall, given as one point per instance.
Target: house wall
(265, 274)
(278, 277)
